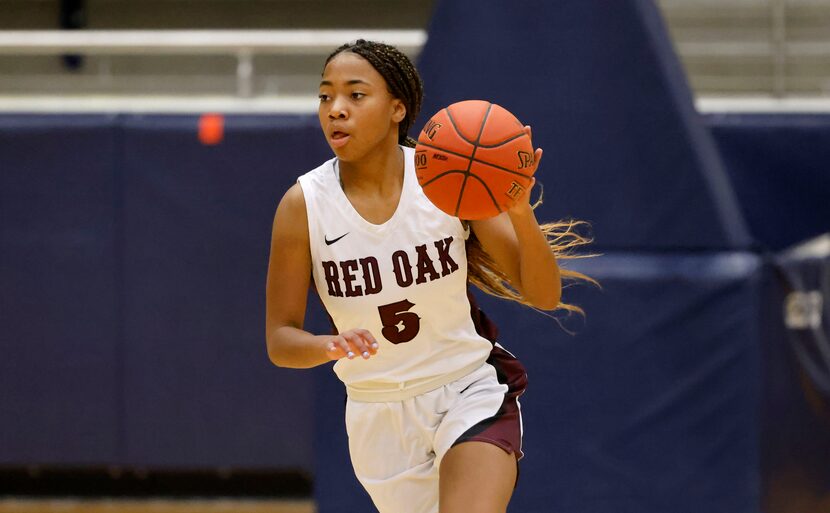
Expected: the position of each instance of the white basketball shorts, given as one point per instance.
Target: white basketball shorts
(397, 447)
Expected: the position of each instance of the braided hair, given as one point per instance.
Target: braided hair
(401, 77)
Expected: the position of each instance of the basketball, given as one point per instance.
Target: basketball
(474, 159)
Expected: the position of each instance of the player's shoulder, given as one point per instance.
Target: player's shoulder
(307, 183)
(293, 197)
(294, 200)
(291, 210)
(319, 174)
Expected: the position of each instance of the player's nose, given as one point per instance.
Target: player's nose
(338, 111)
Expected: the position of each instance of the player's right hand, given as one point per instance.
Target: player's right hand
(351, 344)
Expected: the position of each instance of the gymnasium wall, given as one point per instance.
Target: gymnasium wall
(777, 166)
(133, 266)
(133, 269)
(133, 258)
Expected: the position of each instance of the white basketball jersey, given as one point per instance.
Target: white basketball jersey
(404, 280)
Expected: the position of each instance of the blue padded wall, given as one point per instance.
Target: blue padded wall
(778, 167)
(132, 292)
(132, 298)
(608, 102)
(652, 406)
(197, 232)
(59, 293)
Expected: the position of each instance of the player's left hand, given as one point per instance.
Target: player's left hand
(537, 155)
(522, 205)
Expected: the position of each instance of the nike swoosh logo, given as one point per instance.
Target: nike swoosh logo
(332, 241)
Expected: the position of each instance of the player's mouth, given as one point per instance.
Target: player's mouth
(338, 138)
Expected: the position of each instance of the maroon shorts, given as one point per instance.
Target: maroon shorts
(504, 429)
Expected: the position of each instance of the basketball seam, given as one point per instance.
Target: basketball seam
(472, 157)
(489, 192)
(495, 145)
(445, 150)
(445, 173)
(454, 127)
(494, 166)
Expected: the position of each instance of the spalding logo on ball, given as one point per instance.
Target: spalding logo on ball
(474, 159)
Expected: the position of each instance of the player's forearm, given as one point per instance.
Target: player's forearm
(539, 273)
(295, 348)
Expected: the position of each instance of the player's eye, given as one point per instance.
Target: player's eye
(358, 95)
(323, 97)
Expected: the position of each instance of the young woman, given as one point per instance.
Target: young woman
(432, 413)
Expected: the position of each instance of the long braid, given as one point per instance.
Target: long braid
(401, 77)
(405, 84)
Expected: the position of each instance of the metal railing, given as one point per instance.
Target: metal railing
(243, 44)
(776, 45)
(778, 48)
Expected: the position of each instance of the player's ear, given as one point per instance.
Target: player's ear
(399, 110)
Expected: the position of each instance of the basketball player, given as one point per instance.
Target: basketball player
(432, 413)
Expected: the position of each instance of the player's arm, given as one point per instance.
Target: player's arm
(286, 293)
(521, 251)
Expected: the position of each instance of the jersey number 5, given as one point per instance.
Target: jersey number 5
(399, 324)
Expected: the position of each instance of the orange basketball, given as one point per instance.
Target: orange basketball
(474, 159)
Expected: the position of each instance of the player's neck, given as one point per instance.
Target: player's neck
(379, 172)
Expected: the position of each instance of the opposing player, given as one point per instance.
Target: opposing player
(432, 413)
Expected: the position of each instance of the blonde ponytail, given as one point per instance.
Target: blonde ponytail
(563, 238)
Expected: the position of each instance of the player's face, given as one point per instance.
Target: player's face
(357, 112)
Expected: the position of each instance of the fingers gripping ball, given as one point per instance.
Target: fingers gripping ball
(474, 159)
